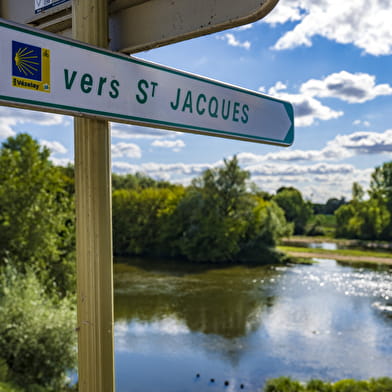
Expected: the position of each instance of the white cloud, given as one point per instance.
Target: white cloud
(54, 146)
(181, 172)
(364, 142)
(306, 108)
(11, 117)
(363, 23)
(275, 90)
(244, 27)
(175, 145)
(284, 11)
(6, 128)
(61, 161)
(269, 169)
(122, 131)
(317, 182)
(348, 87)
(363, 123)
(128, 150)
(353, 88)
(341, 147)
(328, 153)
(124, 167)
(233, 41)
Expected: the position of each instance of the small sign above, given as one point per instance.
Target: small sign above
(43, 5)
(46, 72)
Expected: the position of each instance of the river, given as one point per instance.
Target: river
(178, 327)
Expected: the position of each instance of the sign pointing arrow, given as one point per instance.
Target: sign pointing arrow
(46, 72)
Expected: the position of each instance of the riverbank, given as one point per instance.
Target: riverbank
(340, 242)
(296, 247)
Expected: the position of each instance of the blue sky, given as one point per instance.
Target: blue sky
(331, 59)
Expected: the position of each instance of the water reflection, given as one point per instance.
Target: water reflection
(224, 302)
(323, 245)
(249, 324)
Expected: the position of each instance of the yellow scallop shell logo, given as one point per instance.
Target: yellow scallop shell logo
(26, 61)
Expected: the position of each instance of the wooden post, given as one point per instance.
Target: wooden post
(93, 224)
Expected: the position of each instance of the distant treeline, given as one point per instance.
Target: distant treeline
(221, 216)
(215, 219)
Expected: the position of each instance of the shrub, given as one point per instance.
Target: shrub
(351, 386)
(286, 384)
(37, 338)
(283, 384)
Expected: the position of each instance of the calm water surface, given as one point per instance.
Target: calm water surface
(246, 325)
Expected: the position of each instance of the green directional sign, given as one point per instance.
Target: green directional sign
(45, 72)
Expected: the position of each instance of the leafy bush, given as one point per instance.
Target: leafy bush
(283, 384)
(37, 337)
(286, 384)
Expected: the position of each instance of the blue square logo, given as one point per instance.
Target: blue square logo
(26, 61)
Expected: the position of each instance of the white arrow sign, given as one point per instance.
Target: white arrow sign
(50, 73)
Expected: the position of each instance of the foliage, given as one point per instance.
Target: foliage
(217, 220)
(321, 225)
(357, 192)
(137, 181)
(201, 232)
(329, 207)
(214, 220)
(368, 219)
(286, 384)
(37, 337)
(283, 384)
(315, 226)
(267, 225)
(138, 218)
(36, 213)
(295, 208)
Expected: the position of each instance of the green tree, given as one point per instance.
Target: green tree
(200, 231)
(381, 182)
(295, 208)
(345, 224)
(209, 221)
(266, 225)
(368, 219)
(139, 218)
(357, 192)
(219, 221)
(381, 190)
(36, 213)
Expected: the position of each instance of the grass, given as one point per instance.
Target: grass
(344, 252)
